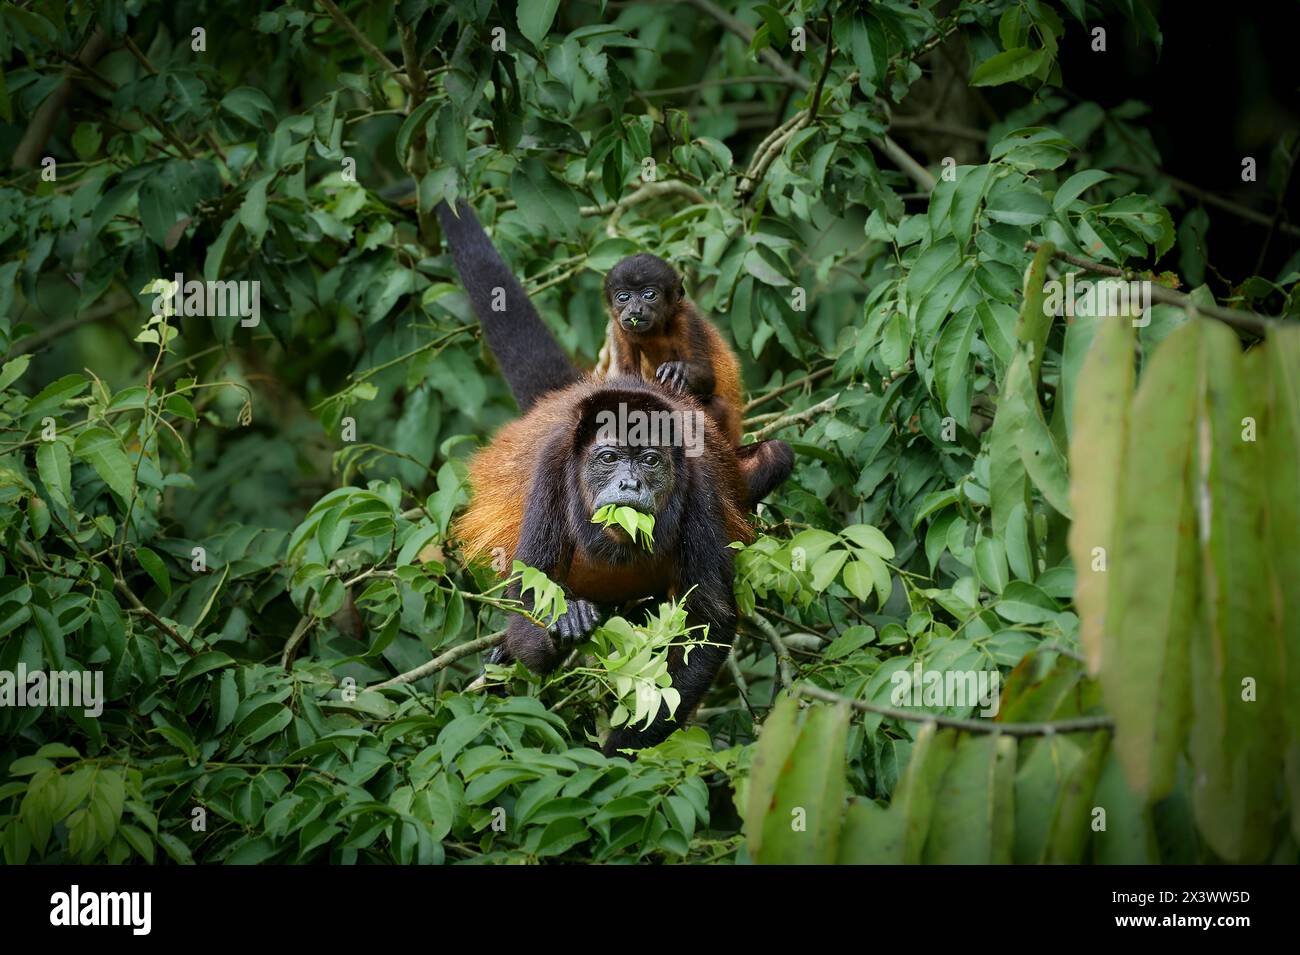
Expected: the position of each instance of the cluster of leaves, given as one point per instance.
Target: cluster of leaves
(253, 546)
(636, 525)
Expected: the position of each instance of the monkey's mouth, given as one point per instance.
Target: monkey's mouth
(635, 323)
(638, 502)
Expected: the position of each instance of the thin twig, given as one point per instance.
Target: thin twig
(1210, 198)
(1081, 724)
(139, 54)
(797, 417)
(299, 632)
(650, 190)
(788, 386)
(896, 153)
(742, 685)
(47, 115)
(157, 621)
(1251, 322)
(363, 41)
(724, 81)
(785, 662)
(443, 661)
(36, 340)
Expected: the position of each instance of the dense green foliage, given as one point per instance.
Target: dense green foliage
(245, 528)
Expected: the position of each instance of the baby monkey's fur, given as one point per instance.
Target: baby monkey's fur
(656, 334)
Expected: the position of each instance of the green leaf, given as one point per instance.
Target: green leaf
(54, 465)
(1153, 594)
(102, 450)
(411, 126)
(156, 569)
(1007, 67)
(250, 105)
(971, 187)
(952, 361)
(859, 579)
(252, 212)
(534, 18)
(547, 204)
(1022, 602)
(1019, 207)
(633, 522)
(203, 663)
(800, 821)
(973, 815)
(13, 370)
(55, 394)
(1099, 436)
(991, 564)
(1279, 386)
(1235, 746)
(918, 790)
(1076, 186)
(775, 744)
(1043, 460)
(1071, 827)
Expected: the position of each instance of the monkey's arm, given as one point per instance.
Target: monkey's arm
(545, 544)
(693, 376)
(690, 369)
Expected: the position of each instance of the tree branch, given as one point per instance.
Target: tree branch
(797, 417)
(784, 662)
(1081, 724)
(788, 386)
(47, 115)
(1243, 321)
(896, 153)
(36, 340)
(443, 661)
(363, 41)
(121, 587)
(1210, 198)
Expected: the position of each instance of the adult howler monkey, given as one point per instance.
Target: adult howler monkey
(656, 333)
(537, 483)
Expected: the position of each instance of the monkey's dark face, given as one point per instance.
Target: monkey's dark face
(637, 477)
(642, 291)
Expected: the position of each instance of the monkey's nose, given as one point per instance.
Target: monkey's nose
(629, 484)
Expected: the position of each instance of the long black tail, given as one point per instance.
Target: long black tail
(530, 358)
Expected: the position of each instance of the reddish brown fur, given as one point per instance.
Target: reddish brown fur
(685, 332)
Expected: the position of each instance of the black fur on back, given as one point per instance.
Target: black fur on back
(528, 355)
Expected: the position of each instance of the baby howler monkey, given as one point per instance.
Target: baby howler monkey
(657, 334)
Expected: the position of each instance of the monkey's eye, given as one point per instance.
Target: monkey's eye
(649, 294)
(623, 297)
(651, 459)
(607, 456)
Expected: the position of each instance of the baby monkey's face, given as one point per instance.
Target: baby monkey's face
(639, 310)
(641, 292)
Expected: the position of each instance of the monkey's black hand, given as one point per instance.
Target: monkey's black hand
(672, 375)
(576, 624)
